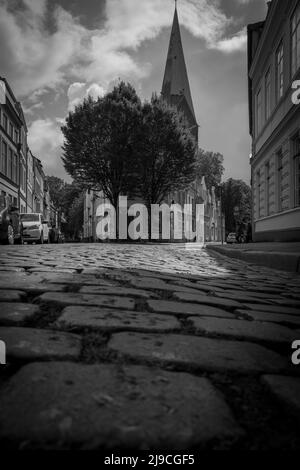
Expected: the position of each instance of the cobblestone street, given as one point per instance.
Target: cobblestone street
(146, 347)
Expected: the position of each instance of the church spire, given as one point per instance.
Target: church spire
(176, 87)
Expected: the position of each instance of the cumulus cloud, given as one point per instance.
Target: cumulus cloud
(78, 91)
(36, 58)
(233, 44)
(45, 140)
(33, 57)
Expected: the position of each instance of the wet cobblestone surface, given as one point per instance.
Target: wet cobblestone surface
(146, 347)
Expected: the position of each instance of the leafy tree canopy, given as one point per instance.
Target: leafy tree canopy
(236, 203)
(210, 165)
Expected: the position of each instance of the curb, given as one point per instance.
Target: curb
(276, 260)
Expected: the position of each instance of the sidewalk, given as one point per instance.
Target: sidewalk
(282, 256)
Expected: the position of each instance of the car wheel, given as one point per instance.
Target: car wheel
(10, 235)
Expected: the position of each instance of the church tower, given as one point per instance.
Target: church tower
(176, 88)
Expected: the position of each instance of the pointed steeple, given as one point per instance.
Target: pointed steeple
(176, 88)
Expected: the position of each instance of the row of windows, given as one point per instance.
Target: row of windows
(264, 210)
(263, 110)
(9, 127)
(9, 163)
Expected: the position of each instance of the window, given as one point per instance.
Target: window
(5, 122)
(268, 94)
(295, 27)
(11, 130)
(279, 72)
(258, 112)
(258, 193)
(16, 136)
(297, 170)
(267, 189)
(10, 162)
(15, 169)
(23, 177)
(279, 179)
(4, 158)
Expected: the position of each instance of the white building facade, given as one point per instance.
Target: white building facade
(274, 64)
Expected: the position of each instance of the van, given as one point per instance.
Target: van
(35, 228)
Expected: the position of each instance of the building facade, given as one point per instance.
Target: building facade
(22, 177)
(273, 66)
(13, 149)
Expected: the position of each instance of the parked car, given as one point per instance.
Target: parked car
(231, 238)
(10, 223)
(35, 228)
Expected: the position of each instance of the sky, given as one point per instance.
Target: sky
(54, 53)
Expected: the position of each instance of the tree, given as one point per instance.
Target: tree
(210, 165)
(73, 228)
(236, 204)
(56, 189)
(166, 152)
(65, 197)
(99, 148)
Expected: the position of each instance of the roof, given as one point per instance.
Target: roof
(176, 82)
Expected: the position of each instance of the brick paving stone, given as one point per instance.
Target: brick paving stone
(201, 353)
(181, 308)
(109, 406)
(208, 300)
(244, 329)
(286, 389)
(52, 270)
(288, 302)
(270, 317)
(194, 285)
(272, 309)
(241, 296)
(116, 290)
(87, 299)
(60, 278)
(12, 295)
(112, 319)
(31, 344)
(157, 284)
(32, 287)
(11, 269)
(15, 313)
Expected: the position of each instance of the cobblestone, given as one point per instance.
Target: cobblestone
(167, 346)
(244, 329)
(28, 344)
(198, 353)
(16, 313)
(136, 407)
(208, 300)
(12, 296)
(270, 317)
(286, 389)
(86, 299)
(112, 319)
(180, 308)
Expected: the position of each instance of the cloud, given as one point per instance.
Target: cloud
(78, 91)
(31, 56)
(45, 140)
(233, 44)
(34, 57)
